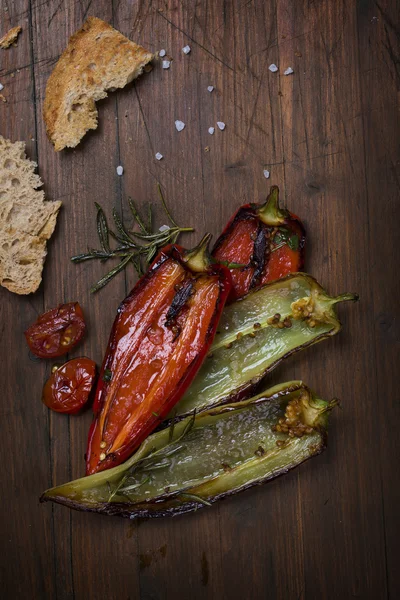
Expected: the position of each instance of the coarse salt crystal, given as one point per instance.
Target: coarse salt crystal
(211, 130)
(288, 71)
(120, 170)
(273, 68)
(179, 125)
(159, 156)
(1, 87)
(186, 50)
(210, 88)
(221, 125)
(163, 228)
(266, 174)
(166, 64)
(162, 53)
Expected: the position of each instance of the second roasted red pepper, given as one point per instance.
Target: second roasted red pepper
(267, 240)
(159, 339)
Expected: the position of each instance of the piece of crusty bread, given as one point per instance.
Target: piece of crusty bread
(26, 220)
(10, 37)
(98, 58)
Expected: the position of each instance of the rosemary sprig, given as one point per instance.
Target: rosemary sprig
(136, 247)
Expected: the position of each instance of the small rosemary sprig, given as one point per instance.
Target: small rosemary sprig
(136, 247)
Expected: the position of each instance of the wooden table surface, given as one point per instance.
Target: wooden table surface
(329, 136)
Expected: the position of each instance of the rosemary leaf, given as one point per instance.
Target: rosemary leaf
(134, 486)
(102, 229)
(104, 280)
(165, 206)
(137, 217)
(118, 224)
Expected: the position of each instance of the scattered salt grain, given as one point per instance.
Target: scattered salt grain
(210, 88)
(120, 170)
(273, 68)
(266, 174)
(162, 53)
(211, 130)
(288, 71)
(179, 125)
(163, 228)
(1, 87)
(159, 156)
(166, 64)
(221, 125)
(186, 50)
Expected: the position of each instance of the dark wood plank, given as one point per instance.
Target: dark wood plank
(379, 52)
(79, 178)
(24, 420)
(324, 139)
(329, 136)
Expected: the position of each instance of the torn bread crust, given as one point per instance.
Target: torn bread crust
(26, 220)
(98, 59)
(10, 37)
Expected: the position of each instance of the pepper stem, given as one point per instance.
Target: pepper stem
(270, 213)
(345, 298)
(198, 259)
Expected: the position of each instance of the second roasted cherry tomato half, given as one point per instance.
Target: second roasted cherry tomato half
(56, 331)
(67, 390)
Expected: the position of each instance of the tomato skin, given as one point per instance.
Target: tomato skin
(56, 331)
(68, 389)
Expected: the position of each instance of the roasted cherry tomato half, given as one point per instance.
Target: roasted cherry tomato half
(56, 331)
(68, 388)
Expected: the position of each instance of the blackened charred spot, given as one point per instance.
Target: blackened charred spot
(182, 295)
(260, 255)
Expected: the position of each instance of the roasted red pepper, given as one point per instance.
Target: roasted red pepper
(159, 339)
(268, 241)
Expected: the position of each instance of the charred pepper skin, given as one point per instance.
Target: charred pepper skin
(160, 337)
(267, 240)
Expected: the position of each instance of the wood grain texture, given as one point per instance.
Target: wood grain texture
(329, 135)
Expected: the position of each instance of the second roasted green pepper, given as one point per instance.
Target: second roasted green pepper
(256, 333)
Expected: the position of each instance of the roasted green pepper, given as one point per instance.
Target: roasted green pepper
(208, 456)
(256, 333)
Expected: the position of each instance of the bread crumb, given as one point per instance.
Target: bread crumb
(10, 37)
(2, 98)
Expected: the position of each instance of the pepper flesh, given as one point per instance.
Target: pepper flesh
(158, 342)
(256, 333)
(213, 455)
(267, 240)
